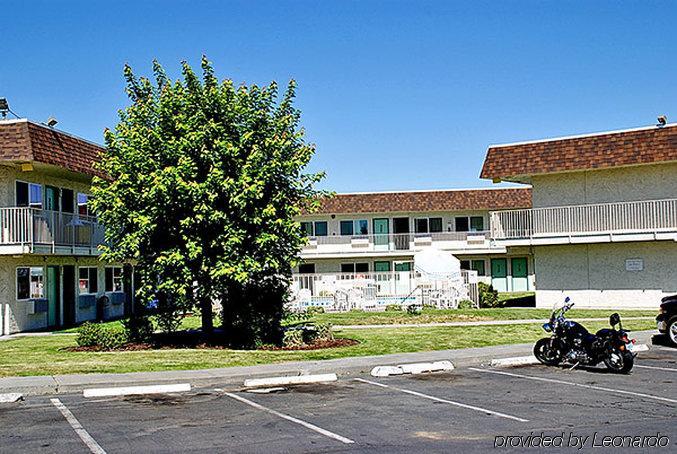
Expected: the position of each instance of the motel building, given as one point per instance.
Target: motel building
(374, 236)
(50, 273)
(603, 225)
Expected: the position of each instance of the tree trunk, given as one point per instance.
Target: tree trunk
(205, 304)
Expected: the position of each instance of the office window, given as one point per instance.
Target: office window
(362, 227)
(83, 205)
(320, 228)
(478, 265)
(421, 225)
(29, 283)
(462, 224)
(307, 268)
(114, 279)
(87, 279)
(347, 228)
(476, 223)
(67, 200)
(28, 195)
(307, 228)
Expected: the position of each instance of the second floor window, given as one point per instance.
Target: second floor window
(316, 228)
(83, 207)
(358, 227)
(28, 194)
(469, 224)
(428, 225)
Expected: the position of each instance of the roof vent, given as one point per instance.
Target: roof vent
(51, 122)
(662, 121)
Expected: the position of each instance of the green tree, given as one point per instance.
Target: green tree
(204, 182)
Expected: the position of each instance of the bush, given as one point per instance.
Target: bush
(293, 338)
(413, 309)
(393, 308)
(138, 328)
(312, 310)
(324, 332)
(429, 306)
(97, 335)
(488, 296)
(466, 304)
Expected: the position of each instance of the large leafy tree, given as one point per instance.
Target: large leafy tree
(204, 182)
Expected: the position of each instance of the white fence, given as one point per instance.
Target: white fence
(601, 218)
(376, 290)
(32, 226)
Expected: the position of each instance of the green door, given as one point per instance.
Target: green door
(51, 198)
(381, 234)
(520, 280)
(53, 295)
(499, 274)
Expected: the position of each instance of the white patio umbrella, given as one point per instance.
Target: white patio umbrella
(437, 264)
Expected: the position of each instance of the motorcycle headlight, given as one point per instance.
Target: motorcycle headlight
(547, 328)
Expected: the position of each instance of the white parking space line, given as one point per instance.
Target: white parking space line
(77, 427)
(670, 369)
(307, 425)
(437, 399)
(580, 385)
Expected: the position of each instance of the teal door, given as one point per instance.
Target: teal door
(381, 234)
(520, 280)
(51, 198)
(53, 295)
(499, 274)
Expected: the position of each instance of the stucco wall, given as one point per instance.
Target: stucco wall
(20, 319)
(44, 176)
(647, 182)
(595, 275)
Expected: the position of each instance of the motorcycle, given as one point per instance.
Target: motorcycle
(570, 343)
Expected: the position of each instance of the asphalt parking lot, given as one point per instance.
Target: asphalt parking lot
(466, 409)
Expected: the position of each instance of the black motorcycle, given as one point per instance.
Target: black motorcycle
(570, 343)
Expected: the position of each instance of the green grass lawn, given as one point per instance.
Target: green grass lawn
(46, 355)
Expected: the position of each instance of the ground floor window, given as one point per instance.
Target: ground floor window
(478, 265)
(114, 279)
(30, 282)
(354, 267)
(87, 280)
(307, 268)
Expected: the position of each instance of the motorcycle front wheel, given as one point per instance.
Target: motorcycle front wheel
(620, 362)
(548, 351)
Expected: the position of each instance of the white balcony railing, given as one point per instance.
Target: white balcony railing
(395, 242)
(31, 227)
(653, 216)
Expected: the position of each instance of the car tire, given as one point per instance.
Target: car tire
(672, 331)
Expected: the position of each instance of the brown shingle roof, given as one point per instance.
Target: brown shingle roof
(27, 141)
(597, 151)
(419, 201)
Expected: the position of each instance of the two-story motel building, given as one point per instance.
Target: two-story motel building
(603, 226)
(50, 274)
(379, 232)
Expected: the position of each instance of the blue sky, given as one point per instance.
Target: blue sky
(396, 95)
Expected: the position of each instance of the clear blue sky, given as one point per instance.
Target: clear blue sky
(396, 95)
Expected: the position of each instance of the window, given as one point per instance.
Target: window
(402, 266)
(28, 195)
(87, 280)
(83, 207)
(381, 267)
(347, 228)
(114, 279)
(347, 267)
(320, 228)
(307, 228)
(476, 223)
(428, 225)
(478, 265)
(354, 267)
(67, 201)
(29, 283)
(362, 227)
(465, 264)
(307, 268)
(462, 224)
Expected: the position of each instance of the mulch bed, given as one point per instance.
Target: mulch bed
(132, 347)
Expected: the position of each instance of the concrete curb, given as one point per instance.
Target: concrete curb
(8, 398)
(289, 380)
(514, 361)
(136, 390)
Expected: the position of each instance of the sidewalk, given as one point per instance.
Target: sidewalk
(479, 323)
(233, 377)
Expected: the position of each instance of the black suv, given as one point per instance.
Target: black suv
(667, 318)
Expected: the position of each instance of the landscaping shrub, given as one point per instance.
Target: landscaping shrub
(488, 296)
(138, 329)
(393, 308)
(312, 310)
(97, 335)
(88, 334)
(293, 338)
(466, 304)
(324, 332)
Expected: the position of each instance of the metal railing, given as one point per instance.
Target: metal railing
(600, 218)
(391, 241)
(26, 226)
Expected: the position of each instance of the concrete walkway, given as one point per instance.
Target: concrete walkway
(479, 323)
(233, 377)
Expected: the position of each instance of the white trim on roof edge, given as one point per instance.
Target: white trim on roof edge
(581, 136)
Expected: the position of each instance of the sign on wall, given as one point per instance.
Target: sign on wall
(634, 265)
